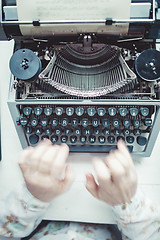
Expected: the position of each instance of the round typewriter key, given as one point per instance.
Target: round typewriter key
(144, 111)
(105, 122)
(147, 65)
(133, 111)
(91, 111)
(23, 121)
(77, 131)
(58, 131)
(120, 138)
(137, 123)
(123, 111)
(68, 131)
(64, 139)
(25, 65)
(27, 111)
(112, 111)
(54, 122)
(87, 131)
(48, 111)
(101, 139)
(73, 139)
(111, 139)
(95, 122)
(79, 111)
(126, 132)
(97, 131)
(106, 132)
(85, 122)
(74, 122)
(44, 122)
(69, 111)
(130, 139)
(148, 122)
(28, 129)
(92, 139)
(141, 140)
(48, 131)
(33, 139)
(44, 137)
(54, 139)
(38, 111)
(126, 122)
(59, 111)
(83, 139)
(64, 122)
(117, 132)
(101, 112)
(116, 123)
(38, 131)
(34, 122)
(137, 132)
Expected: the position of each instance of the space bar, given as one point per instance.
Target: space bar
(95, 148)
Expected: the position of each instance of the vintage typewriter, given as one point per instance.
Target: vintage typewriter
(88, 88)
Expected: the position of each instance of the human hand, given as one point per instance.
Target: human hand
(44, 170)
(117, 177)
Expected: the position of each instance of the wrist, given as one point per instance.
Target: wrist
(30, 200)
(133, 203)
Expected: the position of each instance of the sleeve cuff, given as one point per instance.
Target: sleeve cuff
(29, 200)
(135, 201)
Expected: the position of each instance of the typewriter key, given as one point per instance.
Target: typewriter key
(141, 140)
(33, 139)
(25, 65)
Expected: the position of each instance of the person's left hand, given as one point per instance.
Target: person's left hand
(45, 171)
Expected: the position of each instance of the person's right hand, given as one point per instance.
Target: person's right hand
(44, 170)
(116, 177)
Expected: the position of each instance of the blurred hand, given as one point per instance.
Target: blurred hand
(44, 170)
(116, 177)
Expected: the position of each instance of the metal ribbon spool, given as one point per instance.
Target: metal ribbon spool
(25, 65)
(147, 65)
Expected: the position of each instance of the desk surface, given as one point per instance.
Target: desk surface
(77, 204)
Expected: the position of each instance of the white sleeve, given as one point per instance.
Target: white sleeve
(20, 213)
(138, 220)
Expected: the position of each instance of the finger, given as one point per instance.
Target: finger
(68, 179)
(38, 152)
(124, 150)
(122, 159)
(101, 170)
(116, 168)
(58, 165)
(91, 185)
(47, 159)
(23, 161)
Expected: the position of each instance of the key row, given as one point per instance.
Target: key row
(90, 111)
(78, 131)
(33, 139)
(85, 122)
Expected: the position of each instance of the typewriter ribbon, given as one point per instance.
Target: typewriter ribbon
(25, 65)
(147, 65)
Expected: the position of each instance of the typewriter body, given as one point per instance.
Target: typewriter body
(88, 88)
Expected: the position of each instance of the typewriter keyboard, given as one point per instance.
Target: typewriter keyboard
(87, 128)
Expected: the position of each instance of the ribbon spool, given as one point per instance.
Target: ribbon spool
(25, 65)
(147, 65)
